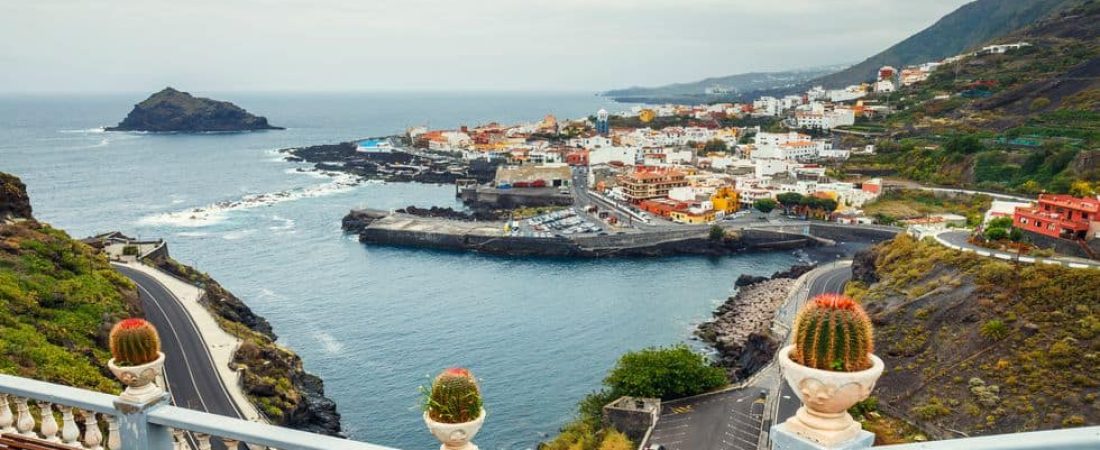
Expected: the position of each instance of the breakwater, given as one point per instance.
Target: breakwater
(381, 228)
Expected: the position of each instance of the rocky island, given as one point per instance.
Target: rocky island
(171, 110)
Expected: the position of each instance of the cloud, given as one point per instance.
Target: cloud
(208, 45)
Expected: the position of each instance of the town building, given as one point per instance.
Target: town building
(549, 175)
(649, 183)
(602, 124)
(1061, 216)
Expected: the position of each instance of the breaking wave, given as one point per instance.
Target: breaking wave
(216, 212)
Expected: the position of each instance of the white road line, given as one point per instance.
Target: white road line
(190, 373)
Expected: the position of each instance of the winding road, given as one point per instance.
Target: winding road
(189, 370)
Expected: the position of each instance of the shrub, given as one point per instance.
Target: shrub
(931, 410)
(994, 329)
(717, 233)
(664, 373)
(996, 234)
(615, 440)
(130, 250)
(454, 397)
(832, 332)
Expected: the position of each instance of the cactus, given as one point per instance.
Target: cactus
(832, 332)
(454, 397)
(134, 342)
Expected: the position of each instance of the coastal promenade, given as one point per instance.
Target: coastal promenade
(197, 350)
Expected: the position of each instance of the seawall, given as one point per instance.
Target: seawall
(488, 237)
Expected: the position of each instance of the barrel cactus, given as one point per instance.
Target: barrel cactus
(454, 397)
(832, 332)
(134, 342)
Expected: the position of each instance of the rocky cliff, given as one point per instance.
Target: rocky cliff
(273, 376)
(174, 111)
(14, 201)
(979, 345)
(58, 300)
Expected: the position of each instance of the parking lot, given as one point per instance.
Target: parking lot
(556, 224)
(727, 421)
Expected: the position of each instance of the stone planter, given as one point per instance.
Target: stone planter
(140, 380)
(455, 436)
(826, 397)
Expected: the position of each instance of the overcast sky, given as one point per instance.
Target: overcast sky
(366, 45)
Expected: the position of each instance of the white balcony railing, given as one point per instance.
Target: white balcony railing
(96, 421)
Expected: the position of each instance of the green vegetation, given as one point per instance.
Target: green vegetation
(58, 299)
(1001, 229)
(832, 332)
(970, 25)
(134, 342)
(453, 397)
(990, 346)
(764, 205)
(666, 373)
(716, 233)
(896, 205)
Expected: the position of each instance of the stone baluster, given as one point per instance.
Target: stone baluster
(6, 418)
(180, 440)
(255, 447)
(230, 444)
(204, 441)
(93, 437)
(48, 426)
(24, 424)
(70, 433)
(114, 440)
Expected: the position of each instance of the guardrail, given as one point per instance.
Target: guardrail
(109, 422)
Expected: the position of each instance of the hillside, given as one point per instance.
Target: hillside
(174, 111)
(978, 345)
(58, 300)
(963, 29)
(731, 87)
(1025, 121)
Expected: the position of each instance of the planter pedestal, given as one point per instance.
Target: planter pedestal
(826, 396)
(140, 381)
(784, 439)
(455, 436)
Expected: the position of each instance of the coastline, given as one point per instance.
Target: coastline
(271, 377)
(220, 343)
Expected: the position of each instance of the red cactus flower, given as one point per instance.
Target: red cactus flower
(129, 324)
(835, 301)
(457, 371)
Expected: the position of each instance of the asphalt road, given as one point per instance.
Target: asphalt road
(189, 369)
(962, 239)
(830, 281)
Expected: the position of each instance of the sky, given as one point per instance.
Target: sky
(447, 45)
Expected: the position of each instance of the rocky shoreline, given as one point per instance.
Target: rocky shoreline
(265, 365)
(396, 164)
(741, 329)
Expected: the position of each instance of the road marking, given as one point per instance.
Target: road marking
(190, 373)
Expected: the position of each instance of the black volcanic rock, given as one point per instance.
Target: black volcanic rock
(172, 110)
(14, 202)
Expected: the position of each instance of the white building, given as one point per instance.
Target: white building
(609, 154)
(885, 86)
(766, 106)
(1002, 48)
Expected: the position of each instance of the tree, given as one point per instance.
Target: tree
(764, 205)
(716, 145)
(665, 373)
(789, 200)
(1081, 188)
(965, 144)
(1000, 222)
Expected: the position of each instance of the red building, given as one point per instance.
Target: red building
(1060, 216)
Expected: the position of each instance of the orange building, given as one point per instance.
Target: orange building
(1060, 216)
(650, 183)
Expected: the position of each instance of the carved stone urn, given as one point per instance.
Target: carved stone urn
(455, 436)
(140, 380)
(826, 397)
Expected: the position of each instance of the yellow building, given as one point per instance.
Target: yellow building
(692, 218)
(725, 199)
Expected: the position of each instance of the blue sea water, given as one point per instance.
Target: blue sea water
(374, 323)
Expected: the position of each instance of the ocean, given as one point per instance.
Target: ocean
(374, 323)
